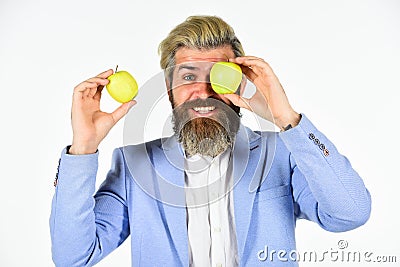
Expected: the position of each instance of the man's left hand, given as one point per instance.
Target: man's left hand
(270, 101)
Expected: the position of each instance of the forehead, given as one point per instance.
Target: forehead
(185, 54)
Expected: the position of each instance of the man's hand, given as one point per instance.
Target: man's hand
(269, 101)
(89, 124)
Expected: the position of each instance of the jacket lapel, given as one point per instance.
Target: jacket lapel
(168, 164)
(247, 157)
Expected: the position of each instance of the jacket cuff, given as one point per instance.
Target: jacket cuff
(76, 170)
(305, 134)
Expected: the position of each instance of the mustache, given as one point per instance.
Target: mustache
(210, 101)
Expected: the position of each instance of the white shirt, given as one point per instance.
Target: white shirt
(210, 214)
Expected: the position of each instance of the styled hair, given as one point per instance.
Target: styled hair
(201, 32)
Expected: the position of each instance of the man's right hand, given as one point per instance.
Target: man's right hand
(89, 124)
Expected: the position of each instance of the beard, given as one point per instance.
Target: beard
(207, 136)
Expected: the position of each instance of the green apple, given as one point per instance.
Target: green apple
(225, 77)
(122, 86)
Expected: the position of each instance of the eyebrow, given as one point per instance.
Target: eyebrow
(181, 67)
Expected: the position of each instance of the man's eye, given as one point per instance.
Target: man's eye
(189, 77)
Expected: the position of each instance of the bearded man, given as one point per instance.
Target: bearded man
(215, 193)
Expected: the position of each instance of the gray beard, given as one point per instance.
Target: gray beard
(206, 136)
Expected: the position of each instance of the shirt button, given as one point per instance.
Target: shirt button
(311, 136)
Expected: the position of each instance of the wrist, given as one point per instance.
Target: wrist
(81, 150)
(288, 121)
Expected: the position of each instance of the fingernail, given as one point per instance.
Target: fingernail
(131, 103)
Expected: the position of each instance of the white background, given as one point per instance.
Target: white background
(338, 61)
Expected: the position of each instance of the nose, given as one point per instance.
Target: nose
(203, 90)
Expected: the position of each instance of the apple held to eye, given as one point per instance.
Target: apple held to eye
(122, 86)
(225, 77)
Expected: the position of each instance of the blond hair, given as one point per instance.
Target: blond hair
(201, 32)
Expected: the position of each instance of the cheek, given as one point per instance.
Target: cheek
(186, 92)
(179, 96)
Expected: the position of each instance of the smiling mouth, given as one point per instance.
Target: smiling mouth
(204, 110)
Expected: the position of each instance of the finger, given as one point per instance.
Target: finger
(105, 74)
(250, 74)
(254, 62)
(99, 81)
(252, 67)
(91, 86)
(240, 59)
(122, 110)
(91, 92)
(245, 60)
(102, 76)
(83, 89)
(97, 95)
(239, 101)
(258, 65)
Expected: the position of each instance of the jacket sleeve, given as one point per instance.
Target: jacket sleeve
(86, 228)
(326, 189)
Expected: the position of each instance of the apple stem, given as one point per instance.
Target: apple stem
(116, 68)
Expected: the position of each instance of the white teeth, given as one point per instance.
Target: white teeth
(204, 109)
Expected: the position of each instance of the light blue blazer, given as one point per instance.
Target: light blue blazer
(278, 177)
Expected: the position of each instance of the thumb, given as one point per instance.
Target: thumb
(122, 110)
(238, 100)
